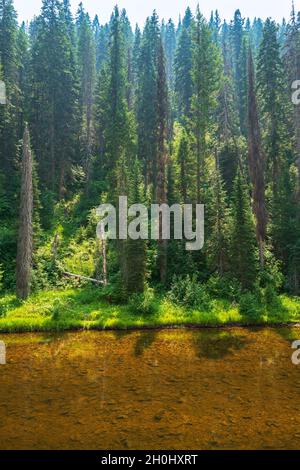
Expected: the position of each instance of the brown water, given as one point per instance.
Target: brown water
(170, 389)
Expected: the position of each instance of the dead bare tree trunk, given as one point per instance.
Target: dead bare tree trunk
(256, 164)
(104, 264)
(24, 252)
(104, 257)
(82, 278)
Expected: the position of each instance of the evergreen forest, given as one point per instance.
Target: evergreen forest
(192, 110)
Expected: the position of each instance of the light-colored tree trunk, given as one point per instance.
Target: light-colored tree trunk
(24, 252)
(104, 257)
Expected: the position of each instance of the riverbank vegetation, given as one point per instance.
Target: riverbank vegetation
(198, 112)
(90, 308)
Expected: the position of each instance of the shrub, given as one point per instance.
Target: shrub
(80, 257)
(250, 306)
(46, 271)
(274, 304)
(143, 303)
(186, 291)
(57, 309)
(7, 303)
(270, 297)
(224, 288)
(272, 273)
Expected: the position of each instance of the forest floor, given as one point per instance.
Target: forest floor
(75, 309)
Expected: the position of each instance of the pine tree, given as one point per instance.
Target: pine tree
(135, 273)
(24, 253)
(87, 77)
(128, 38)
(275, 114)
(206, 76)
(184, 161)
(183, 69)
(273, 101)
(243, 95)
(256, 164)
(215, 26)
(239, 49)
(218, 242)
(102, 45)
(285, 228)
(282, 33)
(54, 110)
(115, 123)
(292, 65)
(243, 257)
(118, 125)
(136, 50)
(23, 61)
(10, 112)
(161, 155)
(69, 21)
(170, 48)
(257, 34)
(228, 131)
(146, 97)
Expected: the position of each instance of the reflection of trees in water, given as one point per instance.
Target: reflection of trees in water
(144, 341)
(213, 344)
(290, 334)
(120, 334)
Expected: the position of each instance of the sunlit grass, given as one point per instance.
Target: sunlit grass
(85, 308)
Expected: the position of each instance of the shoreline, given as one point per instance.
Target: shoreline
(81, 310)
(185, 326)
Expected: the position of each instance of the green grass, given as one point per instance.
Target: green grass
(85, 308)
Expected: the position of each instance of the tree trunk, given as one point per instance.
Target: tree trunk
(256, 165)
(162, 159)
(24, 252)
(104, 257)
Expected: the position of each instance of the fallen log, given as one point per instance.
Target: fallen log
(83, 278)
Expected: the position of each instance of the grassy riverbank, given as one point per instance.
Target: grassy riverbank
(87, 309)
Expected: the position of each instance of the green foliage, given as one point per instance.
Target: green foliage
(186, 291)
(146, 106)
(53, 88)
(183, 70)
(88, 308)
(243, 253)
(218, 244)
(250, 307)
(271, 299)
(272, 273)
(112, 112)
(224, 287)
(285, 228)
(143, 304)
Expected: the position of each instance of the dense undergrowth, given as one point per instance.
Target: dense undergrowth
(91, 308)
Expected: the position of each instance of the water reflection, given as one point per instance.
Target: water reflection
(168, 389)
(217, 344)
(144, 341)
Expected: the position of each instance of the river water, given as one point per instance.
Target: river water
(164, 389)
